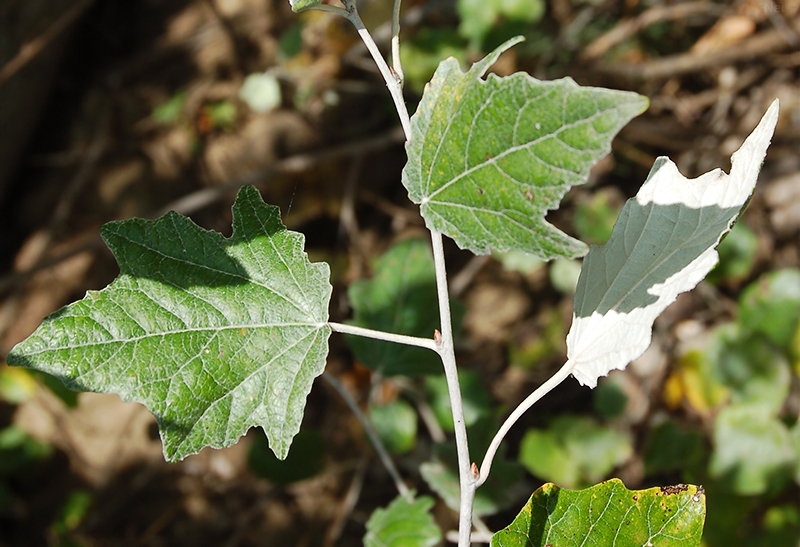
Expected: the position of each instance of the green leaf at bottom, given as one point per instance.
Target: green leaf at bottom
(608, 514)
(213, 335)
(403, 524)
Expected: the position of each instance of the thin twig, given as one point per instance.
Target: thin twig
(428, 417)
(758, 45)
(373, 437)
(195, 201)
(348, 503)
(294, 164)
(426, 343)
(462, 279)
(628, 27)
(393, 82)
(31, 49)
(396, 64)
(523, 407)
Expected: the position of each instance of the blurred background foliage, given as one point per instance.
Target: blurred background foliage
(131, 109)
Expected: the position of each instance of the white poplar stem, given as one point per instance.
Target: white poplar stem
(392, 79)
(332, 9)
(396, 64)
(467, 481)
(529, 401)
(426, 343)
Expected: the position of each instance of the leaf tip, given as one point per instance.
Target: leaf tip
(483, 65)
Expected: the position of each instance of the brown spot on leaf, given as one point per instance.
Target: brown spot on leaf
(670, 490)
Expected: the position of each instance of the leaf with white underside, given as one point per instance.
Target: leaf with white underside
(212, 335)
(489, 157)
(663, 244)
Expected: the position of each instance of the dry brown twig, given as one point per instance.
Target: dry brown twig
(657, 14)
(202, 198)
(31, 49)
(758, 45)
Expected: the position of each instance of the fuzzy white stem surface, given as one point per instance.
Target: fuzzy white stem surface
(392, 79)
(523, 407)
(426, 343)
(396, 64)
(466, 480)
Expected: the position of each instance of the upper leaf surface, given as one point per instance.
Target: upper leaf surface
(663, 244)
(488, 158)
(213, 335)
(403, 524)
(608, 514)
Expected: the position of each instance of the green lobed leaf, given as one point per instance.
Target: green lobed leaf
(488, 158)
(403, 524)
(737, 255)
(213, 335)
(574, 451)
(396, 425)
(479, 16)
(475, 398)
(400, 298)
(754, 371)
(753, 450)
(662, 245)
(771, 306)
(608, 514)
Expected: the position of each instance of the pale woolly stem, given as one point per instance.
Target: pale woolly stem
(426, 343)
(466, 479)
(392, 79)
(523, 407)
(396, 64)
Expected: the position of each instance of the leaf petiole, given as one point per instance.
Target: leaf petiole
(427, 343)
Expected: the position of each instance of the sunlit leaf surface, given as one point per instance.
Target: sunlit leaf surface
(213, 335)
(488, 158)
(608, 514)
(663, 244)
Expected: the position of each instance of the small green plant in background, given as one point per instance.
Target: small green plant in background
(217, 335)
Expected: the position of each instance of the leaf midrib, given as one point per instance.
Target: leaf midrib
(312, 326)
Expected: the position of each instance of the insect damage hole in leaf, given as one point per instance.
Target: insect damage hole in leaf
(212, 335)
(663, 244)
(489, 157)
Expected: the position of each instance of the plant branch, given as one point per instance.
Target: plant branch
(466, 479)
(396, 64)
(523, 407)
(386, 336)
(373, 437)
(392, 79)
(333, 9)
